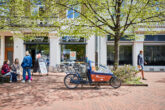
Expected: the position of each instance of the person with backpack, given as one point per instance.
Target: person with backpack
(26, 65)
(5, 71)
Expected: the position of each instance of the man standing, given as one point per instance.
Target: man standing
(26, 65)
(141, 64)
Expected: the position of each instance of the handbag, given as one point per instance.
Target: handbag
(139, 67)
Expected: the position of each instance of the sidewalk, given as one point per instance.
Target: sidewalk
(49, 93)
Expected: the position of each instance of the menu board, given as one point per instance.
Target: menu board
(42, 66)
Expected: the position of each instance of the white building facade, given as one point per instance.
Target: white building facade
(57, 49)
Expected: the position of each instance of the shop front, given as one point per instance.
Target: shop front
(73, 49)
(38, 45)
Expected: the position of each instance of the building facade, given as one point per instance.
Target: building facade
(57, 49)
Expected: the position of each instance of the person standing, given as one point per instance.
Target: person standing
(26, 65)
(6, 69)
(141, 64)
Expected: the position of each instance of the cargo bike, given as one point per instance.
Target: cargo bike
(94, 78)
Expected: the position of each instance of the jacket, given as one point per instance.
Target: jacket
(5, 69)
(140, 59)
(27, 62)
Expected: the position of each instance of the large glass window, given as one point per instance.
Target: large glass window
(77, 50)
(154, 55)
(125, 55)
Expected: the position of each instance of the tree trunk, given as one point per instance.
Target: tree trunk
(116, 52)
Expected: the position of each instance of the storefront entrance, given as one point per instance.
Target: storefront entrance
(38, 45)
(35, 49)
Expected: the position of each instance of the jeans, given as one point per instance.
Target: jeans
(28, 70)
(8, 74)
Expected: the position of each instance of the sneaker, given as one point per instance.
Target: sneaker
(29, 81)
(10, 81)
(23, 81)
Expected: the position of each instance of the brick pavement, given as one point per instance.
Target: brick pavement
(49, 93)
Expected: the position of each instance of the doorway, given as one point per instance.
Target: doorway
(9, 48)
(34, 49)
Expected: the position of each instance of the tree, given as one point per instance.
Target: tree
(112, 17)
(94, 17)
(32, 15)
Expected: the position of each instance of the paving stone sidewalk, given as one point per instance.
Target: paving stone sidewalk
(49, 93)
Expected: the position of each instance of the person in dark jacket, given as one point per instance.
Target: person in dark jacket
(26, 65)
(141, 64)
(5, 71)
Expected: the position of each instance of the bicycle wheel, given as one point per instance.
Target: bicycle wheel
(115, 82)
(71, 81)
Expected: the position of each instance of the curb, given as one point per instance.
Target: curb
(134, 84)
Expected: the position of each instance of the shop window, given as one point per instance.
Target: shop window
(125, 55)
(154, 55)
(73, 52)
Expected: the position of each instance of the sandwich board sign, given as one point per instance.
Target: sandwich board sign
(42, 66)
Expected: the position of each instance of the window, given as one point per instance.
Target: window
(38, 8)
(72, 13)
(124, 38)
(154, 38)
(154, 55)
(125, 55)
(78, 49)
(72, 39)
(8, 41)
(3, 9)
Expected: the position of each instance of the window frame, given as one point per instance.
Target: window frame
(79, 9)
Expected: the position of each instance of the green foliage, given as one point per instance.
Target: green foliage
(97, 17)
(127, 74)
